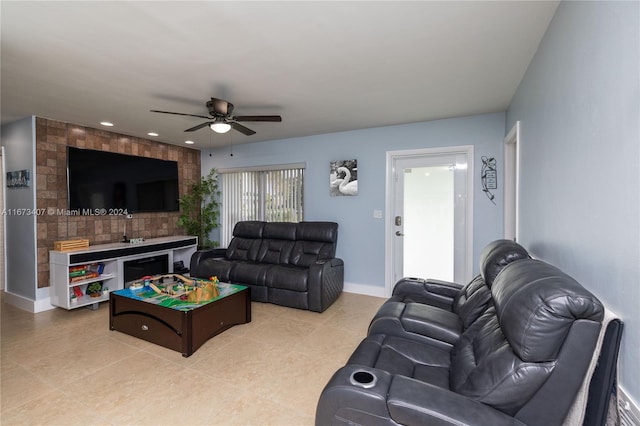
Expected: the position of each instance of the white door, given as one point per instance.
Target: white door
(429, 220)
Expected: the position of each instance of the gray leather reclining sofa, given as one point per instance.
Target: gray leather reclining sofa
(437, 312)
(512, 347)
(289, 264)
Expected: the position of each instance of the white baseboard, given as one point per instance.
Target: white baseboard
(29, 305)
(43, 305)
(368, 290)
(628, 409)
(19, 301)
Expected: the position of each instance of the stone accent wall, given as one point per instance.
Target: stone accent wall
(52, 139)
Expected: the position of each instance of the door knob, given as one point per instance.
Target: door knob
(399, 234)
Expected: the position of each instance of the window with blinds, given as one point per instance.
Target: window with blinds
(273, 195)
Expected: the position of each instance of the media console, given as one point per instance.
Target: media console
(71, 272)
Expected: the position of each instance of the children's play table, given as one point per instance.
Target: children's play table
(177, 324)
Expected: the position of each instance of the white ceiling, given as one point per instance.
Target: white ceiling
(324, 66)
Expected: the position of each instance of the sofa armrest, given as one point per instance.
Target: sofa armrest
(431, 292)
(326, 280)
(443, 288)
(412, 402)
(343, 402)
(200, 255)
(394, 399)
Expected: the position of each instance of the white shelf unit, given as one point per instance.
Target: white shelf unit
(106, 278)
(112, 256)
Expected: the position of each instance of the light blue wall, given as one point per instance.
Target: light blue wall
(18, 140)
(361, 241)
(580, 187)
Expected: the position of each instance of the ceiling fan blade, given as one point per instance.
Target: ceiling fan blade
(179, 113)
(244, 130)
(199, 126)
(274, 118)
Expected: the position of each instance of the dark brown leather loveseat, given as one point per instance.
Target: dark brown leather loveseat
(285, 263)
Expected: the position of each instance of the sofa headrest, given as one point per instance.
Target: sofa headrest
(326, 232)
(280, 230)
(536, 305)
(248, 229)
(496, 255)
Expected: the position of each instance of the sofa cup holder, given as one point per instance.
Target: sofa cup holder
(363, 379)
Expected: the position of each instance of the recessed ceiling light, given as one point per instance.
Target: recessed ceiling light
(106, 123)
(189, 142)
(152, 134)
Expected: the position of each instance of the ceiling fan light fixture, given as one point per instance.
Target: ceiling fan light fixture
(220, 127)
(220, 119)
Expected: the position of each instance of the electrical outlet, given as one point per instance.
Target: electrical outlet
(628, 410)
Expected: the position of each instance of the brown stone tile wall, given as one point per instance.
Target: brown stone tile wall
(52, 139)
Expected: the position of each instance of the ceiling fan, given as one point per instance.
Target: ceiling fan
(221, 118)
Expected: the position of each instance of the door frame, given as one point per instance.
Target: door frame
(511, 182)
(389, 229)
(3, 222)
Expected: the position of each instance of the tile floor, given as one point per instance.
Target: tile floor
(67, 368)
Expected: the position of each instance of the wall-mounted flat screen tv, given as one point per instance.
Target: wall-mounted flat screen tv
(118, 182)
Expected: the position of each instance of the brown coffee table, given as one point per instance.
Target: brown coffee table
(175, 324)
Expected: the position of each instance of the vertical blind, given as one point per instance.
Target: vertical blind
(268, 195)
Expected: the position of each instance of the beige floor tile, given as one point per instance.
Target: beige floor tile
(27, 347)
(279, 332)
(334, 341)
(261, 411)
(18, 386)
(54, 408)
(244, 362)
(66, 367)
(130, 379)
(80, 361)
(296, 380)
(185, 398)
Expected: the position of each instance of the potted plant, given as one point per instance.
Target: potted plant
(200, 209)
(94, 289)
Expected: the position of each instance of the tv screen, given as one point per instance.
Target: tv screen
(120, 183)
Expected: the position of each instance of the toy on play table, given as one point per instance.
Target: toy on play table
(190, 289)
(204, 290)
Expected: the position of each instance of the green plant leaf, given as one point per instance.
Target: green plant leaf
(200, 209)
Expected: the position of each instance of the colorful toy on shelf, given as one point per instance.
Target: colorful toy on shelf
(79, 273)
